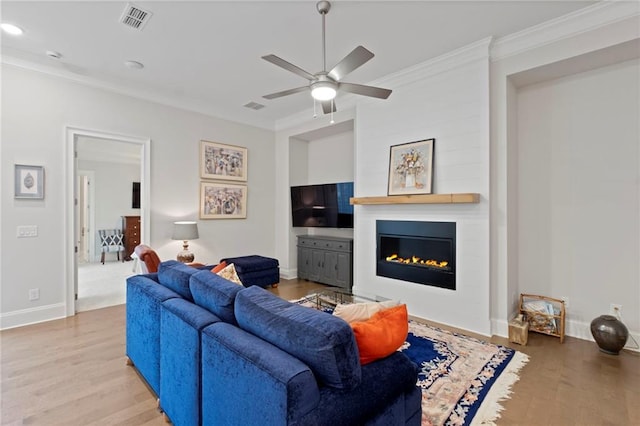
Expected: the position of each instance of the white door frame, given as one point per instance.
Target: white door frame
(90, 219)
(71, 135)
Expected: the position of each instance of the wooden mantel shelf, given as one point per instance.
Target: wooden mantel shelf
(462, 198)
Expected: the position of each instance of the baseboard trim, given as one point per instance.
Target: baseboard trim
(30, 316)
(577, 329)
(288, 274)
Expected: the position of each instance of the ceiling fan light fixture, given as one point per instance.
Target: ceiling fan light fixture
(324, 84)
(323, 91)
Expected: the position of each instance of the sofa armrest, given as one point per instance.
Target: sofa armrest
(180, 359)
(144, 297)
(249, 381)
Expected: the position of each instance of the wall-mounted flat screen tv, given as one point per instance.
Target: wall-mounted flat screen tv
(322, 206)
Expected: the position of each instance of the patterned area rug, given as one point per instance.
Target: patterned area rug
(463, 379)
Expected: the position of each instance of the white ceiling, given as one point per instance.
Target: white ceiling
(206, 55)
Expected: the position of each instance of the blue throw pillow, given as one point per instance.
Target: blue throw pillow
(215, 294)
(175, 275)
(324, 342)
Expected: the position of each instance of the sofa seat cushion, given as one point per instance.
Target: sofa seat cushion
(175, 275)
(215, 294)
(324, 342)
(383, 382)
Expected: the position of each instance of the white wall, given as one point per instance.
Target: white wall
(578, 191)
(330, 159)
(35, 110)
(113, 191)
(448, 100)
(575, 43)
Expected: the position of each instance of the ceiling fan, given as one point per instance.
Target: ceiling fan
(324, 85)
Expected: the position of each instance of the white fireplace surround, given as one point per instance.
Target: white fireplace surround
(451, 106)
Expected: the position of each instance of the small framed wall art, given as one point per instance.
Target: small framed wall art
(223, 162)
(411, 168)
(29, 181)
(222, 201)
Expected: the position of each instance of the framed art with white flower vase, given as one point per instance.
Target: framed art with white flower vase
(29, 182)
(411, 168)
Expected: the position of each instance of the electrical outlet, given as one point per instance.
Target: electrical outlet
(34, 294)
(565, 300)
(615, 309)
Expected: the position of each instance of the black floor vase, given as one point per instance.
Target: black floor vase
(609, 333)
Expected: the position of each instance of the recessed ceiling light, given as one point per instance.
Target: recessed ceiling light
(134, 64)
(11, 29)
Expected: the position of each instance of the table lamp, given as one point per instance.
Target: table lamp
(185, 231)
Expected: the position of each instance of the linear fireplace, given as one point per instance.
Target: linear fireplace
(419, 252)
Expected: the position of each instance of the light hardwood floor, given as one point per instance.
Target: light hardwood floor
(72, 372)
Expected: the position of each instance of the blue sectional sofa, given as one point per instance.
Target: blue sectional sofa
(220, 354)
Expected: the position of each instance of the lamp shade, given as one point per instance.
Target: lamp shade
(323, 90)
(185, 231)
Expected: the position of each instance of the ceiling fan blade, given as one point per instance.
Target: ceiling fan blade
(353, 60)
(286, 92)
(326, 106)
(359, 89)
(288, 66)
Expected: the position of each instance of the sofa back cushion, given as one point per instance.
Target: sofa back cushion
(175, 276)
(324, 342)
(215, 294)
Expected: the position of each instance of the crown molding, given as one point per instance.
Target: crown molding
(478, 50)
(188, 104)
(587, 19)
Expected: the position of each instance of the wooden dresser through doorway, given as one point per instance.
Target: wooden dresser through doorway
(131, 225)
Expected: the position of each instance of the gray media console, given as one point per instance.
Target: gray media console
(327, 260)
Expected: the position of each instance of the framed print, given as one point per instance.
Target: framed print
(29, 181)
(411, 168)
(222, 162)
(222, 201)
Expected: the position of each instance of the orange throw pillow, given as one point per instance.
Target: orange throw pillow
(219, 267)
(382, 334)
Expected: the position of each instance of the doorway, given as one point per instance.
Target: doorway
(86, 219)
(100, 174)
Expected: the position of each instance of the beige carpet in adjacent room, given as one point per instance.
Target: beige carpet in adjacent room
(101, 285)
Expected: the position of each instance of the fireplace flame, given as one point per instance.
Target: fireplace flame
(416, 260)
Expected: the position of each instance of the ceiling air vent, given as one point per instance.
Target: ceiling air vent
(254, 105)
(135, 17)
